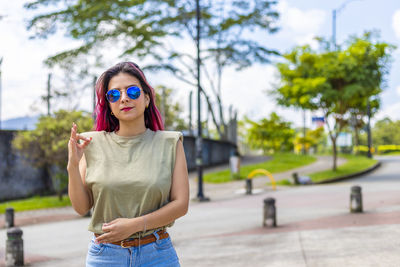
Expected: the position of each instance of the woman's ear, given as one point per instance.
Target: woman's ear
(147, 100)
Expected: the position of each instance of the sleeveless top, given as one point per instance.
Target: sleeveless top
(129, 176)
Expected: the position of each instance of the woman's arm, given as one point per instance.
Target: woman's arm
(79, 194)
(122, 228)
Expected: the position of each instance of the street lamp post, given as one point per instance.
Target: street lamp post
(304, 131)
(369, 154)
(334, 29)
(1, 61)
(199, 140)
(335, 12)
(190, 113)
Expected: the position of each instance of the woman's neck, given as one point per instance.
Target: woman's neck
(130, 128)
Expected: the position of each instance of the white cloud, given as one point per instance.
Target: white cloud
(300, 26)
(304, 22)
(301, 23)
(396, 23)
(307, 39)
(282, 7)
(246, 91)
(392, 111)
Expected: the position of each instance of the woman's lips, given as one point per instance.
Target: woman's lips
(126, 109)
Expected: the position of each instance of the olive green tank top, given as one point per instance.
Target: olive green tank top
(129, 176)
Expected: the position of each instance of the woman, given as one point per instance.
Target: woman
(132, 173)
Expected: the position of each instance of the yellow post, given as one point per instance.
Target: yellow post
(266, 173)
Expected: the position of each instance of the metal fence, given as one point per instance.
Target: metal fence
(214, 151)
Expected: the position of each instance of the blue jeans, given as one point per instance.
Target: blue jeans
(159, 253)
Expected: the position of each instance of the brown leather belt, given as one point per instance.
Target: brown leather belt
(126, 243)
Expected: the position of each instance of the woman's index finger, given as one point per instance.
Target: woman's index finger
(73, 131)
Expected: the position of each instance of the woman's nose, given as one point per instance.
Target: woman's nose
(124, 96)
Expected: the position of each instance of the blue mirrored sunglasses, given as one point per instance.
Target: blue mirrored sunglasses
(113, 95)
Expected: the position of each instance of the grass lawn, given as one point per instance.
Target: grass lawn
(283, 182)
(354, 164)
(35, 203)
(279, 163)
(394, 153)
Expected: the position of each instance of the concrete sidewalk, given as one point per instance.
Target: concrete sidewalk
(315, 228)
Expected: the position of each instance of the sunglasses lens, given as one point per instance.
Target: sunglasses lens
(133, 92)
(113, 95)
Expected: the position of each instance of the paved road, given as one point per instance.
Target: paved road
(315, 228)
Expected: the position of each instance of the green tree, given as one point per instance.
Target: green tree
(170, 110)
(386, 132)
(47, 146)
(334, 82)
(144, 28)
(312, 139)
(270, 134)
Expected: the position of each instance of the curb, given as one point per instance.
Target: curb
(345, 177)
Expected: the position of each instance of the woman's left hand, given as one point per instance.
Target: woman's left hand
(117, 230)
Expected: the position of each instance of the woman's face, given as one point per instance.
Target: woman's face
(126, 108)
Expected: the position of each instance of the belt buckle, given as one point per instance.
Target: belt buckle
(122, 244)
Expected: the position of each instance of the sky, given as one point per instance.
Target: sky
(24, 77)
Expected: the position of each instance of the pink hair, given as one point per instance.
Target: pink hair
(107, 122)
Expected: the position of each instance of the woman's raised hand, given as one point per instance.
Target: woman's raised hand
(75, 150)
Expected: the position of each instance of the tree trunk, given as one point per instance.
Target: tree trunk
(221, 112)
(47, 182)
(356, 137)
(334, 166)
(212, 113)
(222, 121)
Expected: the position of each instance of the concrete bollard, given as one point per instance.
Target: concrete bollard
(9, 217)
(14, 247)
(249, 186)
(269, 213)
(234, 163)
(356, 199)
